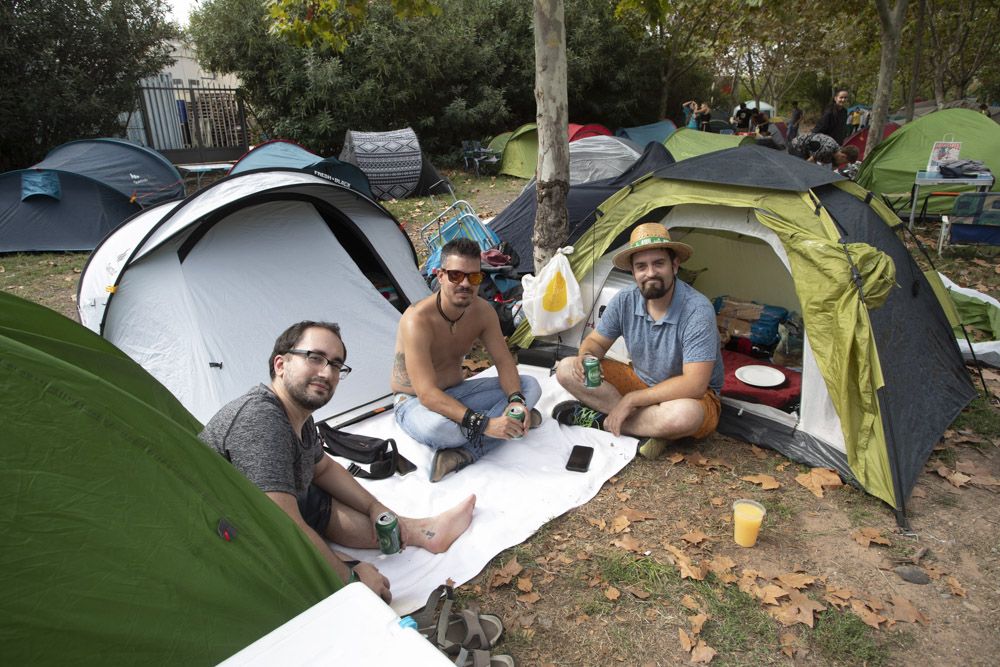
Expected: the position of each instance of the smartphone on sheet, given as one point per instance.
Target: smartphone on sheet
(579, 458)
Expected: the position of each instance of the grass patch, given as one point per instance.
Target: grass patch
(643, 572)
(980, 417)
(843, 639)
(739, 628)
(860, 508)
(597, 605)
(946, 456)
(777, 510)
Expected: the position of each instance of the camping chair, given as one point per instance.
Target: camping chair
(457, 220)
(474, 153)
(974, 219)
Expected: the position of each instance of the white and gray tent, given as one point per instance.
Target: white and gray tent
(394, 164)
(193, 290)
(597, 158)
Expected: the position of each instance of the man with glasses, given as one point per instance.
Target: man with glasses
(269, 435)
(462, 420)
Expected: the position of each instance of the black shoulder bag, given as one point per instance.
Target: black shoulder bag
(382, 457)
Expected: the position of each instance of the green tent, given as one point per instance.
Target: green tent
(499, 142)
(882, 377)
(115, 516)
(520, 153)
(686, 143)
(891, 167)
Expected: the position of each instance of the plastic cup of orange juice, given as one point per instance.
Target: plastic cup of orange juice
(747, 517)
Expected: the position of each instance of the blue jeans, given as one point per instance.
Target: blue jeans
(478, 394)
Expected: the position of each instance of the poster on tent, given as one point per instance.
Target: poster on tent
(943, 151)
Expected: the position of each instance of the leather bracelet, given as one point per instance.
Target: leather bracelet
(516, 397)
(467, 418)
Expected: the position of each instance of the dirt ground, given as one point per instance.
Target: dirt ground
(648, 568)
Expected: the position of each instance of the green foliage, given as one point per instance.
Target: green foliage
(738, 624)
(844, 639)
(451, 76)
(332, 22)
(70, 68)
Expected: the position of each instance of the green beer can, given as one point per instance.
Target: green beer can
(591, 371)
(387, 529)
(516, 412)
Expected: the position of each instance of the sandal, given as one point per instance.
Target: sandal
(465, 629)
(479, 658)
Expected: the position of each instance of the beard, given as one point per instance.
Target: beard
(299, 392)
(654, 288)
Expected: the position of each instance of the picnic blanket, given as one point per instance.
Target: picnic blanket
(519, 487)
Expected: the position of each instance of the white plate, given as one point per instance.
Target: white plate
(760, 376)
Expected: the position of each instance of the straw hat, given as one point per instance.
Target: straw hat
(650, 236)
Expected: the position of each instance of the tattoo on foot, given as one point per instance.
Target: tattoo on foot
(429, 534)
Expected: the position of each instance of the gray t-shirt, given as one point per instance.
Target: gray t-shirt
(254, 434)
(686, 334)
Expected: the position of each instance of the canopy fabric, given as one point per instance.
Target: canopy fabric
(287, 154)
(112, 550)
(892, 166)
(577, 132)
(643, 134)
(750, 166)
(860, 138)
(687, 143)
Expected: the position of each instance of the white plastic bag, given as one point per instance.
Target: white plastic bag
(551, 300)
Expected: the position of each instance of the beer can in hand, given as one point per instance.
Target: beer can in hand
(591, 371)
(387, 528)
(516, 412)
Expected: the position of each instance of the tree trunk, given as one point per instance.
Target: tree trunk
(918, 47)
(551, 220)
(891, 24)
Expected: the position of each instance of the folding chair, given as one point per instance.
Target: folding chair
(457, 220)
(474, 153)
(974, 220)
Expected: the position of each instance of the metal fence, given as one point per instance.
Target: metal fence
(203, 123)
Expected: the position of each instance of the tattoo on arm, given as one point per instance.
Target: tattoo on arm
(399, 374)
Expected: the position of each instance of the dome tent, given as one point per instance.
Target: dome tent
(395, 165)
(79, 192)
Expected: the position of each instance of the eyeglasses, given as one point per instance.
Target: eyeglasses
(319, 362)
(457, 276)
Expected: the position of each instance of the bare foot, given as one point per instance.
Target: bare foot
(436, 533)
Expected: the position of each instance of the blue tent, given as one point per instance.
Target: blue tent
(643, 134)
(282, 153)
(81, 191)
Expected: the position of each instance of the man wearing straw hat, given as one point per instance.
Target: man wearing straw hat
(671, 389)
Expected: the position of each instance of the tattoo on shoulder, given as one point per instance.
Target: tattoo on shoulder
(399, 374)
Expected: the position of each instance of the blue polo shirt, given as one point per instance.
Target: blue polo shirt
(659, 349)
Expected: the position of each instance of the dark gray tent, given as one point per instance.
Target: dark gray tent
(81, 191)
(516, 223)
(394, 164)
(283, 153)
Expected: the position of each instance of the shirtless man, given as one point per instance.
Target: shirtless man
(461, 420)
(268, 434)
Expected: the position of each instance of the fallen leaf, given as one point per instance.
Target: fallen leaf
(806, 606)
(955, 587)
(504, 576)
(529, 598)
(638, 592)
(595, 581)
(524, 584)
(619, 523)
(694, 537)
(722, 567)
(717, 501)
(788, 644)
(526, 620)
(838, 596)
(674, 550)
(600, 524)
(582, 555)
(675, 458)
(904, 610)
(781, 466)
(956, 478)
(865, 536)
(689, 570)
(612, 593)
(686, 642)
(934, 572)
(697, 621)
(766, 481)
(758, 453)
(769, 594)
(623, 496)
(702, 653)
(636, 515)
(651, 614)
(628, 543)
(866, 615)
(819, 478)
(690, 603)
(796, 579)
(984, 481)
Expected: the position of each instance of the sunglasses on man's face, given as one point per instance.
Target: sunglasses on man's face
(455, 276)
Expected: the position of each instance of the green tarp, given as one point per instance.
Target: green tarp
(111, 510)
(892, 166)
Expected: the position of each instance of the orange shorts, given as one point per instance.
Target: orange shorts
(623, 378)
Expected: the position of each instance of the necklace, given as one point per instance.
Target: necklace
(450, 321)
